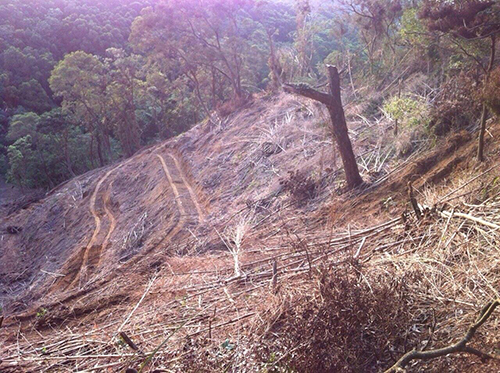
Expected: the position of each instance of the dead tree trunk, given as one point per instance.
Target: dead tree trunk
(333, 103)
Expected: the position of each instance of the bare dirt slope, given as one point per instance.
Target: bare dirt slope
(170, 198)
(188, 230)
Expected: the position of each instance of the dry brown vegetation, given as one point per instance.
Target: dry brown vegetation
(214, 244)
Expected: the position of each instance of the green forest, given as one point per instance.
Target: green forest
(84, 83)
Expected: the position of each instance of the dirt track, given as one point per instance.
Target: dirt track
(109, 213)
(194, 199)
(89, 259)
(178, 202)
(185, 197)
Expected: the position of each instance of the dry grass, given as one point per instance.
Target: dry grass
(350, 299)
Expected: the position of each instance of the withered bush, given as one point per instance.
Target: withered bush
(372, 107)
(456, 106)
(227, 108)
(351, 325)
(301, 187)
(491, 94)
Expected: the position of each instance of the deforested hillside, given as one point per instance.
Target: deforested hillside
(249, 186)
(241, 233)
(274, 155)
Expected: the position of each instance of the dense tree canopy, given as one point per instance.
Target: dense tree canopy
(83, 83)
(34, 36)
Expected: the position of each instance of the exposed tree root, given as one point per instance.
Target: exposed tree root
(460, 346)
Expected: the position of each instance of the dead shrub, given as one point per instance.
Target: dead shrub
(301, 187)
(227, 108)
(456, 106)
(348, 325)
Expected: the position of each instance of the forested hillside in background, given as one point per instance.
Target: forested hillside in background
(83, 83)
(40, 143)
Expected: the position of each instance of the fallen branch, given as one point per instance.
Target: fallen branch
(128, 341)
(160, 346)
(356, 255)
(151, 282)
(486, 223)
(460, 346)
(444, 198)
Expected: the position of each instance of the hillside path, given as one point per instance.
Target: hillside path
(184, 194)
(109, 213)
(192, 194)
(189, 208)
(92, 250)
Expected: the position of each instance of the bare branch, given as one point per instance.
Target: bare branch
(306, 91)
(460, 346)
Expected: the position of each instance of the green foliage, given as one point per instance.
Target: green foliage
(413, 31)
(45, 150)
(210, 44)
(23, 162)
(4, 163)
(77, 79)
(41, 312)
(409, 112)
(334, 58)
(101, 95)
(35, 35)
(22, 125)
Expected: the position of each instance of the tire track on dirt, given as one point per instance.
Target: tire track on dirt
(184, 194)
(112, 219)
(88, 251)
(182, 212)
(89, 257)
(79, 264)
(97, 229)
(192, 193)
(109, 213)
(186, 205)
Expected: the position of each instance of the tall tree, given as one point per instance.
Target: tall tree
(121, 95)
(303, 37)
(206, 42)
(80, 80)
(377, 22)
(44, 149)
(277, 19)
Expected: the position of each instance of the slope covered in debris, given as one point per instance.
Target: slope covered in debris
(238, 244)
